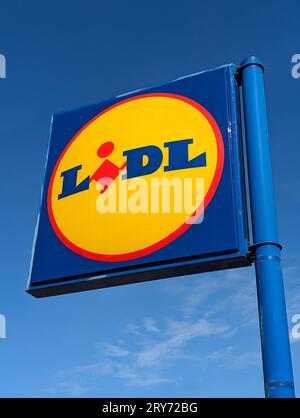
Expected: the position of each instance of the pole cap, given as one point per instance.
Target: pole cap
(252, 60)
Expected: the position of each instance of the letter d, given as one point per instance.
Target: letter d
(135, 167)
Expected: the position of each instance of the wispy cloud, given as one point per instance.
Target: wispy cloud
(228, 294)
(150, 325)
(245, 360)
(132, 328)
(211, 311)
(118, 370)
(112, 350)
(180, 333)
(144, 361)
(229, 359)
(69, 386)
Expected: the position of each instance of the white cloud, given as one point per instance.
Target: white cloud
(112, 350)
(245, 360)
(144, 364)
(132, 328)
(180, 332)
(150, 325)
(127, 372)
(220, 354)
(228, 295)
(213, 308)
(227, 358)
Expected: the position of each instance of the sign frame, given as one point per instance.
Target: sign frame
(179, 266)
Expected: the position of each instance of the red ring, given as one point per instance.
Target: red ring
(154, 247)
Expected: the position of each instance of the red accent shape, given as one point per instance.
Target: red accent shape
(108, 171)
(151, 248)
(106, 174)
(105, 149)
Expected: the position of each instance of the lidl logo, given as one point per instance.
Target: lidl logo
(135, 177)
(143, 186)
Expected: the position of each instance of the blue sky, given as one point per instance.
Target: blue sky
(191, 336)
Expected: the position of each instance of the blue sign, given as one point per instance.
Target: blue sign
(143, 186)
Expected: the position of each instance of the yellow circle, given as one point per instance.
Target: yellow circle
(138, 122)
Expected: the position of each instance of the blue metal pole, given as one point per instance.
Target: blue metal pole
(277, 363)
